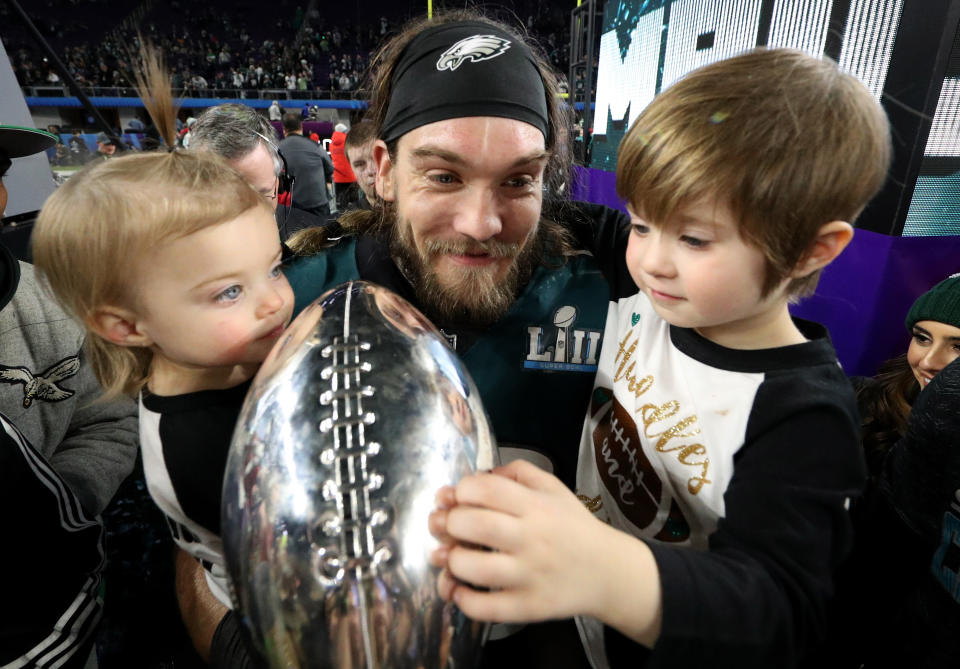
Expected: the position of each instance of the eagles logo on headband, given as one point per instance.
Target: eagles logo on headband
(431, 82)
(475, 49)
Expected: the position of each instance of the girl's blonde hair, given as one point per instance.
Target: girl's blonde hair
(92, 238)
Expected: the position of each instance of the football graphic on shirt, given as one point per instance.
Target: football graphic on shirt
(627, 474)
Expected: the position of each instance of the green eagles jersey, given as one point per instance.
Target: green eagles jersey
(534, 367)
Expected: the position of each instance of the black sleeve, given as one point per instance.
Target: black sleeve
(327, 165)
(231, 647)
(757, 597)
(922, 470)
(604, 232)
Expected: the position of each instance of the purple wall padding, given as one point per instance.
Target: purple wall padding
(863, 296)
(598, 186)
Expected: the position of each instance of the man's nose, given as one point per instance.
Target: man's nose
(479, 215)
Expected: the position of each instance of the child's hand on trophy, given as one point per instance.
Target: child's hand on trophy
(518, 546)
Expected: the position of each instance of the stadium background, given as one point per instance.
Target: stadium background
(612, 57)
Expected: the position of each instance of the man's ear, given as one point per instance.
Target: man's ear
(832, 238)
(381, 156)
(118, 326)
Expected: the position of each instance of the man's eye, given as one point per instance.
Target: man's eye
(639, 228)
(443, 179)
(276, 271)
(229, 294)
(519, 182)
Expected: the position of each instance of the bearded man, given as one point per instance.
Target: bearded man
(472, 161)
(472, 157)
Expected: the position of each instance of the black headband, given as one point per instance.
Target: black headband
(469, 68)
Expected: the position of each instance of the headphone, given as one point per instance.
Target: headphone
(285, 179)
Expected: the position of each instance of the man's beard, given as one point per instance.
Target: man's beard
(472, 296)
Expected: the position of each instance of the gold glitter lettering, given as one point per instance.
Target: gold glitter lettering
(593, 504)
(676, 432)
(652, 413)
(695, 483)
(636, 386)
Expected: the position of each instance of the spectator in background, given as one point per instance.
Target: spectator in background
(275, 111)
(78, 148)
(310, 167)
(359, 151)
(247, 140)
(106, 145)
(185, 135)
(913, 460)
(62, 456)
(62, 155)
(885, 401)
(344, 181)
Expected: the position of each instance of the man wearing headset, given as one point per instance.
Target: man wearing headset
(248, 141)
(309, 164)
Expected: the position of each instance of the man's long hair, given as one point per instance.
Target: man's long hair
(553, 242)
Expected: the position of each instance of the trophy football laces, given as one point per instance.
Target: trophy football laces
(357, 516)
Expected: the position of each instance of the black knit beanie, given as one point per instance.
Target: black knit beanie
(941, 304)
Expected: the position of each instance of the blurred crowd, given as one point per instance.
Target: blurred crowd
(212, 48)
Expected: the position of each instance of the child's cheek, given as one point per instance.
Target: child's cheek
(232, 342)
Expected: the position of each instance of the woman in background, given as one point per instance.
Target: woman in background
(885, 400)
(898, 595)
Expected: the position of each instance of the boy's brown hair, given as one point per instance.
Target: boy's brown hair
(786, 140)
(360, 133)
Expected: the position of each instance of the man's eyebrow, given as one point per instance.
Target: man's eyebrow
(429, 151)
(537, 157)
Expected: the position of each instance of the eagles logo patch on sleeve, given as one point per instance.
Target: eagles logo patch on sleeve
(474, 49)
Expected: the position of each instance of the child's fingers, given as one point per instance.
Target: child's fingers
(446, 585)
(437, 524)
(484, 527)
(481, 568)
(445, 498)
(529, 475)
(491, 491)
(438, 556)
(499, 606)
